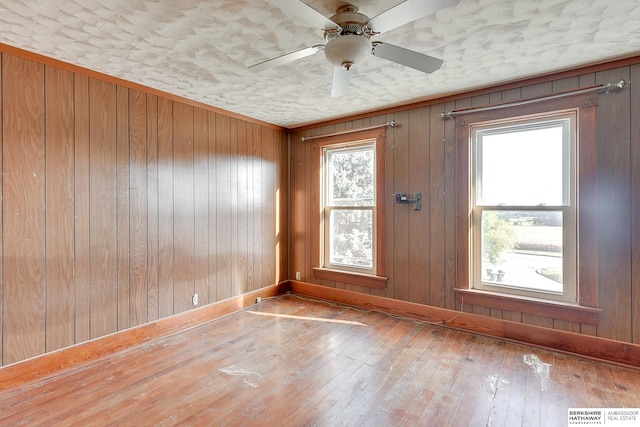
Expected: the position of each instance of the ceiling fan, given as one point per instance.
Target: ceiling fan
(348, 34)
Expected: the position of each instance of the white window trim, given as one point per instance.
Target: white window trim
(568, 208)
(327, 209)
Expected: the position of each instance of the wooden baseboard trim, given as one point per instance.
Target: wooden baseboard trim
(14, 375)
(603, 349)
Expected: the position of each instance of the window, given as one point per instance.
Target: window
(349, 203)
(349, 208)
(523, 206)
(526, 208)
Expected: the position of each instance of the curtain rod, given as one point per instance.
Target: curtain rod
(390, 124)
(605, 88)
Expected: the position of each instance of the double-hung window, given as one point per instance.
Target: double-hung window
(524, 206)
(349, 209)
(526, 209)
(349, 201)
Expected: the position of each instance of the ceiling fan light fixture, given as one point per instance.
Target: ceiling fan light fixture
(346, 50)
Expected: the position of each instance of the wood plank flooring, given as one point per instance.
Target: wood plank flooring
(297, 362)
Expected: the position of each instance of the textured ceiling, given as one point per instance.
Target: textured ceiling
(201, 49)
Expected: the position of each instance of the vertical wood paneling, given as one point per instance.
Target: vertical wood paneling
(223, 207)
(533, 91)
(24, 209)
(102, 206)
(213, 211)
(201, 194)
(282, 197)
(241, 262)
(437, 194)
(81, 208)
(1, 216)
(297, 222)
(138, 238)
(118, 233)
(400, 268)
(303, 198)
(419, 230)
(619, 186)
(461, 178)
(382, 258)
(123, 210)
(233, 208)
(250, 212)
(389, 206)
(614, 188)
(165, 208)
(566, 84)
(585, 81)
(183, 207)
(59, 152)
(153, 285)
(449, 209)
(255, 239)
(635, 203)
(268, 192)
(118, 206)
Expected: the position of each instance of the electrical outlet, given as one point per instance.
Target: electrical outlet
(258, 300)
(194, 299)
(298, 275)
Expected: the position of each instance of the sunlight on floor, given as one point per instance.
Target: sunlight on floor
(317, 319)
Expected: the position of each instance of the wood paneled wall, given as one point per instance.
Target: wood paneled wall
(118, 205)
(421, 245)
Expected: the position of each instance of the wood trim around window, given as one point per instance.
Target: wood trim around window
(378, 279)
(586, 310)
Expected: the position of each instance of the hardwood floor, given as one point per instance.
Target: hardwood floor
(293, 361)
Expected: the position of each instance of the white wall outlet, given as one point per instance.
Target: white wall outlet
(298, 275)
(194, 299)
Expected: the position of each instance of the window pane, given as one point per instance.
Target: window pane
(522, 166)
(351, 177)
(351, 237)
(522, 249)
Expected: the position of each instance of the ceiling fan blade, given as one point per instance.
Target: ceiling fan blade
(340, 85)
(406, 57)
(289, 57)
(405, 12)
(298, 9)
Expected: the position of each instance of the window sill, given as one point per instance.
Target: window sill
(553, 309)
(367, 280)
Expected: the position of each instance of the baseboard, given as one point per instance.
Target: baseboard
(603, 349)
(70, 357)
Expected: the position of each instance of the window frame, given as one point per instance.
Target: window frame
(568, 206)
(585, 308)
(375, 278)
(329, 208)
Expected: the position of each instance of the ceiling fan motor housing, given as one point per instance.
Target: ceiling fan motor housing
(351, 45)
(344, 51)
